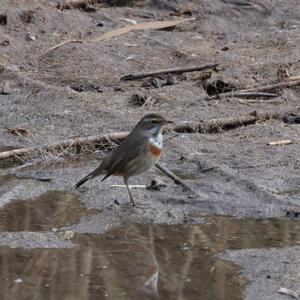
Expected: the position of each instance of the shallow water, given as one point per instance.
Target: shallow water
(133, 261)
(51, 210)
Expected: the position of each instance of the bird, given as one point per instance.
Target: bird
(138, 152)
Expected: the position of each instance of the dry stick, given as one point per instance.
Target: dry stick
(242, 94)
(257, 89)
(288, 292)
(293, 78)
(216, 125)
(132, 186)
(210, 126)
(103, 139)
(170, 174)
(177, 180)
(269, 87)
(169, 71)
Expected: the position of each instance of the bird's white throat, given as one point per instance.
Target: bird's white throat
(157, 140)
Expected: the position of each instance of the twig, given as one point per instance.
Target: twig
(115, 251)
(242, 94)
(35, 151)
(217, 125)
(280, 143)
(294, 78)
(288, 292)
(177, 180)
(178, 70)
(269, 87)
(170, 174)
(136, 186)
(106, 141)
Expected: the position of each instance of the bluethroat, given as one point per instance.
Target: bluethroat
(139, 151)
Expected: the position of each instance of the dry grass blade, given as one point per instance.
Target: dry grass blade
(123, 30)
(69, 41)
(139, 26)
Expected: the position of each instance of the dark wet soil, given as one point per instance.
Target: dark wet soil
(75, 90)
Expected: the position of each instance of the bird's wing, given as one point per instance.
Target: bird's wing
(121, 157)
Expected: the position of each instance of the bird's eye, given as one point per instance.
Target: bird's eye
(154, 122)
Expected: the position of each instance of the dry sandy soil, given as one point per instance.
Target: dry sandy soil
(75, 90)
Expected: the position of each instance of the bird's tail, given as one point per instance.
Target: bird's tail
(87, 177)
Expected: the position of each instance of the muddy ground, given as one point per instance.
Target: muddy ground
(75, 90)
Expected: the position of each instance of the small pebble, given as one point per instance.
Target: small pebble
(30, 37)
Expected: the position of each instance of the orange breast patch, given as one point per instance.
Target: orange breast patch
(155, 151)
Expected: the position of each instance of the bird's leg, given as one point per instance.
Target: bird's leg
(129, 192)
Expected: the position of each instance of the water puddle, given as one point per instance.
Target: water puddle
(137, 261)
(51, 210)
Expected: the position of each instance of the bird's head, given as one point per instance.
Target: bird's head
(152, 123)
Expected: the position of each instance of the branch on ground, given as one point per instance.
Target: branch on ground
(105, 142)
(265, 88)
(178, 70)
